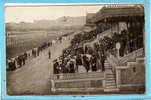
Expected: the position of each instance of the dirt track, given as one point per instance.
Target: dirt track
(34, 77)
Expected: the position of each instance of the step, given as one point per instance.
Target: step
(108, 67)
(108, 71)
(110, 84)
(113, 80)
(110, 87)
(111, 90)
(110, 81)
(110, 74)
(110, 78)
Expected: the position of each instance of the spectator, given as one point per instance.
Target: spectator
(86, 63)
(49, 53)
(93, 63)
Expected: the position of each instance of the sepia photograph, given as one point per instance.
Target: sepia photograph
(75, 49)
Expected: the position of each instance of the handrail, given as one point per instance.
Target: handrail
(132, 55)
(113, 61)
(119, 61)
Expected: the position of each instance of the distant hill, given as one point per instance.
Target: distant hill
(71, 21)
(60, 23)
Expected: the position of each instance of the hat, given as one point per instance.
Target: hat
(55, 60)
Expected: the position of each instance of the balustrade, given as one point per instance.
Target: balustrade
(114, 61)
(78, 81)
(68, 76)
(133, 55)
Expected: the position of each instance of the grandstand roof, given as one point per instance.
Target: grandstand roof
(118, 11)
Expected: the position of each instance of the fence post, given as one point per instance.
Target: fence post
(53, 86)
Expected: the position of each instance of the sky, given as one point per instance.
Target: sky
(48, 12)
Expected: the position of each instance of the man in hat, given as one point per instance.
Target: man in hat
(55, 67)
(86, 62)
(49, 53)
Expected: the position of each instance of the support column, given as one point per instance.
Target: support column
(118, 77)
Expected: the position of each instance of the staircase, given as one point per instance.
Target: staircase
(110, 79)
(133, 63)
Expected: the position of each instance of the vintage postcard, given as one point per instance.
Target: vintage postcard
(75, 49)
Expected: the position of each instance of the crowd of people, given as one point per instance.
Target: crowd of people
(77, 63)
(19, 61)
(93, 58)
(81, 59)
